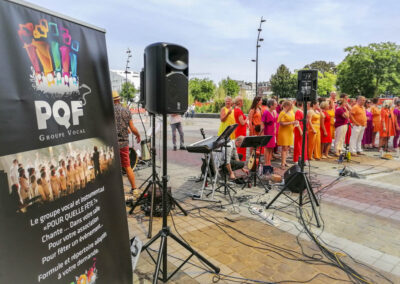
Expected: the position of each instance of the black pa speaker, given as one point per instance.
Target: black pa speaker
(166, 73)
(294, 180)
(307, 83)
(142, 93)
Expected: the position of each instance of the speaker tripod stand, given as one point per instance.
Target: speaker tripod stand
(153, 184)
(162, 258)
(308, 188)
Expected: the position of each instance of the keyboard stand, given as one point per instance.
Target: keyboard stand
(207, 176)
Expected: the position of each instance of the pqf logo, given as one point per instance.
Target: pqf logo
(53, 56)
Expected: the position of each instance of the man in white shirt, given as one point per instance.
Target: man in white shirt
(233, 162)
(176, 123)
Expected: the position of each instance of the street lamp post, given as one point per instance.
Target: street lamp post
(128, 52)
(259, 40)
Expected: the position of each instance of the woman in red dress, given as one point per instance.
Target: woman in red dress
(241, 120)
(298, 134)
(326, 134)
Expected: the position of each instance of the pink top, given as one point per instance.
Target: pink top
(396, 112)
(270, 119)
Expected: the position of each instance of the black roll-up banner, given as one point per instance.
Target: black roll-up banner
(62, 214)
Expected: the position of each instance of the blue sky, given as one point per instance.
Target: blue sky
(221, 34)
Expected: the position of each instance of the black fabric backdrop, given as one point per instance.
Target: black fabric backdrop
(21, 248)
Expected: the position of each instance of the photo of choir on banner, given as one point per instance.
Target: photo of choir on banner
(44, 175)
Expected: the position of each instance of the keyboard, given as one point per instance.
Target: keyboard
(206, 145)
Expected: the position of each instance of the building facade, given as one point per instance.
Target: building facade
(118, 78)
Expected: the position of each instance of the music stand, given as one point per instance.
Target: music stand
(225, 137)
(256, 142)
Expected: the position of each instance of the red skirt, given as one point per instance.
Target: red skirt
(328, 137)
(298, 141)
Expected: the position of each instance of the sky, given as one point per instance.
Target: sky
(221, 35)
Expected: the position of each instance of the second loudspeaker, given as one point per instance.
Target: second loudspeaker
(166, 70)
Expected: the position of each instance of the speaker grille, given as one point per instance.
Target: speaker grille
(176, 90)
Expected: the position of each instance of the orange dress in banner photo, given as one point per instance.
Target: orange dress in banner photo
(388, 117)
(314, 139)
(241, 130)
(285, 134)
(376, 118)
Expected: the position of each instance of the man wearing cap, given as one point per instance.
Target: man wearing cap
(123, 121)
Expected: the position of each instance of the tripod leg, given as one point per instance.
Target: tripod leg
(276, 197)
(312, 199)
(140, 198)
(145, 182)
(228, 189)
(174, 201)
(301, 197)
(312, 192)
(149, 243)
(205, 176)
(177, 204)
(159, 258)
(153, 192)
(199, 256)
(267, 188)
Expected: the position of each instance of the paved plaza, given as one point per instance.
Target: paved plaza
(360, 223)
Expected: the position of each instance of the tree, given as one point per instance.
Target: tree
(220, 93)
(201, 90)
(326, 83)
(370, 70)
(128, 91)
(322, 66)
(230, 86)
(283, 83)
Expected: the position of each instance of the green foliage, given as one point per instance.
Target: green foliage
(201, 90)
(370, 70)
(322, 66)
(217, 105)
(283, 83)
(220, 93)
(190, 99)
(128, 91)
(326, 83)
(246, 105)
(230, 86)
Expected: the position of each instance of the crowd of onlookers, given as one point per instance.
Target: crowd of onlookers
(333, 125)
(47, 179)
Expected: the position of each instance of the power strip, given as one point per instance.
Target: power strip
(264, 215)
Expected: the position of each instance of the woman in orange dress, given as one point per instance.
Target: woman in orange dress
(255, 123)
(388, 126)
(376, 120)
(314, 132)
(331, 112)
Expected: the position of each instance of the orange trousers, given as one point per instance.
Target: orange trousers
(314, 143)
